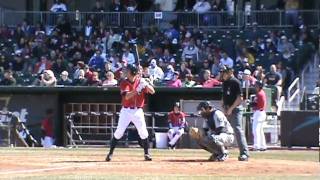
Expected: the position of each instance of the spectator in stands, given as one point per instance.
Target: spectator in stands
(258, 74)
(58, 6)
(189, 82)
(215, 68)
(241, 63)
(183, 70)
(59, 66)
(155, 71)
(44, 64)
(165, 5)
(47, 124)
(247, 79)
(226, 60)
(18, 62)
(218, 5)
(109, 81)
(131, 6)
(185, 5)
(208, 81)
(8, 79)
(48, 79)
(80, 80)
(94, 81)
(64, 79)
(127, 55)
(270, 46)
(285, 46)
(115, 6)
(4, 63)
(273, 78)
(167, 57)
(169, 73)
(97, 61)
(146, 74)
(291, 9)
(175, 82)
(190, 52)
(88, 29)
(202, 6)
(98, 7)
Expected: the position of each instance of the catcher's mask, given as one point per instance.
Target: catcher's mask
(204, 104)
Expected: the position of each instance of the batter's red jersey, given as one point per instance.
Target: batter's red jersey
(176, 119)
(261, 101)
(47, 127)
(135, 101)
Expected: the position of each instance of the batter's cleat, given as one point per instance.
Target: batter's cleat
(109, 157)
(243, 157)
(147, 157)
(223, 157)
(213, 157)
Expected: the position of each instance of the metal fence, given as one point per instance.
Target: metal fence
(240, 19)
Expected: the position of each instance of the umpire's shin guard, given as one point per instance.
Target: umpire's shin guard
(113, 145)
(145, 144)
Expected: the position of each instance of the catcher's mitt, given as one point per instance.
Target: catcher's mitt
(196, 133)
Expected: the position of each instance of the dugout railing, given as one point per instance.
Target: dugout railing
(78, 136)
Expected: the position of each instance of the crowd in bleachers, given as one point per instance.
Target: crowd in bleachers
(32, 55)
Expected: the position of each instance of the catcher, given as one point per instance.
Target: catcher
(216, 134)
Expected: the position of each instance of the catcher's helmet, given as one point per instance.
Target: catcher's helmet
(132, 68)
(203, 104)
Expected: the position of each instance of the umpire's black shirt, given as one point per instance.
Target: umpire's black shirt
(231, 89)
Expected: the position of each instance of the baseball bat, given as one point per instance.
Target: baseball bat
(136, 47)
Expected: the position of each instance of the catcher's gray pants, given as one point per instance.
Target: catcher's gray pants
(215, 144)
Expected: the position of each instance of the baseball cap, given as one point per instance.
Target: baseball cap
(177, 104)
(247, 72)
(153, 62)
(225, 68)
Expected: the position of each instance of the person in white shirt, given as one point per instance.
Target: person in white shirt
(155, 71)
(166, 5)
(128, 56)
(202, 6)
(110, 81)
(58, 6)
(226, 60)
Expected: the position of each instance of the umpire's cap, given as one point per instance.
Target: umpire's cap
(203, 104)
(132, 68)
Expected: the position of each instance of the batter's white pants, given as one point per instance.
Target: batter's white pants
(47, 142)
(259, 140)
(174, 134)
(136, 116)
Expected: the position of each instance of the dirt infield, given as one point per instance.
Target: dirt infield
(27, 163)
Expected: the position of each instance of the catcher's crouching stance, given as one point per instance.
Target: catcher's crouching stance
(216, 134)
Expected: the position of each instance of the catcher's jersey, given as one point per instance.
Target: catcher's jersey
(137, 100)
(218, 119)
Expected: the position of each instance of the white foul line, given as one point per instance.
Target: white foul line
(44, 169)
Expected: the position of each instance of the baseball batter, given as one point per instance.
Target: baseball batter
(176, 120)
(259, 116)
(133, 90)
(217, 133)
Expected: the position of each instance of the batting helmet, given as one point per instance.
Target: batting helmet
(132, 68)
(259, 84)
(203, 104)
